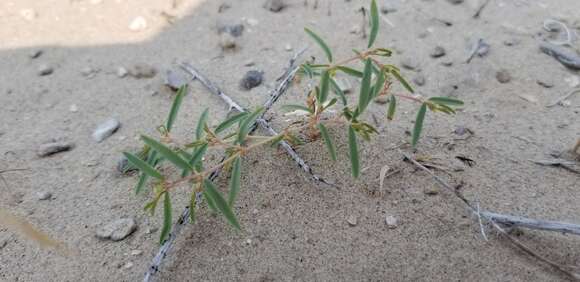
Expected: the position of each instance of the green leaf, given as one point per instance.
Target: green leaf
(192, 206)
(392, 108)
(167, 153)
(166, 219)
(141, 183)
(350, 71)
(195, 159)
(229, 122)
(321, 43)
(143, 166)
(365, 95)
(210, 202)
(235, 181)
(175, 107)
(247, 123)
(221, 204)
(402, 80)
(328, 141)
(324, 86)
(418, 125)
(446, 101)
(374, 23)
(292, 107)
(354, 161)
(330, 104)
(201, 124)
(338, 91)
(379, 83)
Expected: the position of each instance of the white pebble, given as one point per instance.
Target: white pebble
(138, 24)
(28, 14)
(106, 129)
(73, 108)
(391, 222)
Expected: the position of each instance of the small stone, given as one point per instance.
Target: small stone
(455, 2)
(227, 41)
(3, 243)
(573, 81)
(252, 79)
(381, 100)
(461, 130)
(344, 85)
(431, 190)
(234, 30)
(136, 252)
(45, 69)
(142, 70)
(274, 5)
(388, 7)
(447, 63)
(73, 108)
(248, 242)
(288, 47)
(117, 230)
(44, 195)
(89, 72)
(391, 222)
(106, 129)
(352, 220)
(410, 63)
(52, 148)
(36, 53)
(545, 82)
(122, 72)
(174, 80)
(419, 79)
(28, 14)
(355, 29)
(511, 42)
(483, 48)
(123, 166)
(128, 265)
(438, 52)
(503, 76)
(138, 24)
(252, 21)
(249, 63)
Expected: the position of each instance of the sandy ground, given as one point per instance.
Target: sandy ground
(294, 229)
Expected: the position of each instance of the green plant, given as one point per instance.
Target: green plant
(232, 135)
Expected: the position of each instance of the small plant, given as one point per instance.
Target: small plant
(232, 135)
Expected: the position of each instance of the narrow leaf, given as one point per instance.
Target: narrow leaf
(210, 202)
(402, 80)
(167, 218)
(141, 183)
(364, 96)
(321, 43)
(354, 161)
(379, 83)
(175, 107)
(195, 159)
(350, 71)
(192, 206)
(235, 181)
(392, 108)
(338, 91)
(143, 166)
(221, 204)
(324, 86)
(374, 23)
(201, 124)
(247, 123)
(292, 107)
(328, 141)
(167, 153)
(418, 125)
(229, 122)
(446, 101)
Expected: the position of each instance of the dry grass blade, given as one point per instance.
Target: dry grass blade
(20, 225)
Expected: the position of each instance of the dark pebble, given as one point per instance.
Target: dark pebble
(252, 79)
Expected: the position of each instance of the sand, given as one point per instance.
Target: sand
(293, 228)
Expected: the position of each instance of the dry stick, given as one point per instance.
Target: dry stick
(561, 99)
(494, 219)
(286, 78)
(480, 9)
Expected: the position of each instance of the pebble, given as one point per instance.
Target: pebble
(235, 30)
(44, 195)
(511, 42)
(106, 129)
(391, 222)
(174, 80)
(44, 69)
(252, 79)
(117, 230)
(381, 100)
(431, 190)
(344, 85)
(73, 108)
(136, 252)
(288, 47)
(419, 79)
(142, 70)
(227, 41)
(122, 72)
(52, 148)
(249, 63)
(274, 5)
(138, 24)
(128, 265)
(34, 54)
(545, 82)
(455, 2)
(355, 29)
(483, 48)
(461, 130)
(503, 76)
(352, 220)
(388, 7)
(573, 81)
(252, 21)
(89, 72)
(438, 52)
(28, 14)
(410, 63)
